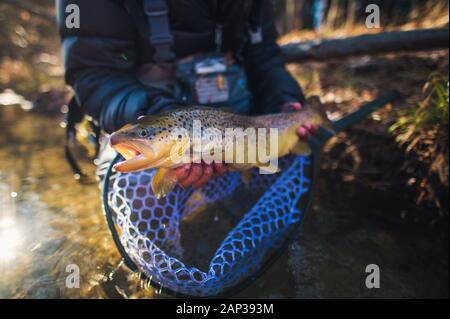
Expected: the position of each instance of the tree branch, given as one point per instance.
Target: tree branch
(369, 44)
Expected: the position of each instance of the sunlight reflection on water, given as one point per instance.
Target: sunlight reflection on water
(48, 220)
(10, 239)
(10, 233)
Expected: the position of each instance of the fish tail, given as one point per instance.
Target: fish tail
(319, 110)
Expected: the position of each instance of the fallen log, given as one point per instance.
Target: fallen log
(369, 44)
(325, 49)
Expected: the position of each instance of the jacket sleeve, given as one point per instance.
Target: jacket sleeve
(100, 64)
(269, 81)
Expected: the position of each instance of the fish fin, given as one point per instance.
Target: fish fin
(163, 182)
(227, 109)
(269, 169)
(246, 176)
(196, 197)
(302, 148)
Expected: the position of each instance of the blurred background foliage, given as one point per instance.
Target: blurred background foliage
(344, 15)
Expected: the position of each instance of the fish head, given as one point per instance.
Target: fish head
(149, 143)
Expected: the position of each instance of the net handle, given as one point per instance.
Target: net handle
(109, 219)
(116, 238)
(351, 119)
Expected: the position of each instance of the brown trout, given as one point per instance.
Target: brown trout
(169, 140)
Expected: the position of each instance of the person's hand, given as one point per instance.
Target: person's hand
(198, 175)
(305, 131)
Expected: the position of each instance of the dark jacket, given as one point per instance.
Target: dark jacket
(103, 55)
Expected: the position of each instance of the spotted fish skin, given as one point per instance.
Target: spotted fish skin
(162, 125)
(149, 143)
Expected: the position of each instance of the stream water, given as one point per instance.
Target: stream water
(50, 222)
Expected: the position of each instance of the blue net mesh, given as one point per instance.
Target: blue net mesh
(201, 242)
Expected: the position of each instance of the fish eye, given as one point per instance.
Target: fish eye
(143, 133)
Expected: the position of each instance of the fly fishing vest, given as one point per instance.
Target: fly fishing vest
(213, 79)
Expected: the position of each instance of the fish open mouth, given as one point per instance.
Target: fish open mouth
(128, 151)
(138, 156)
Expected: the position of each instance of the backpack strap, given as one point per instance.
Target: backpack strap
(161, 38)
(153, 25)
(255, 22)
